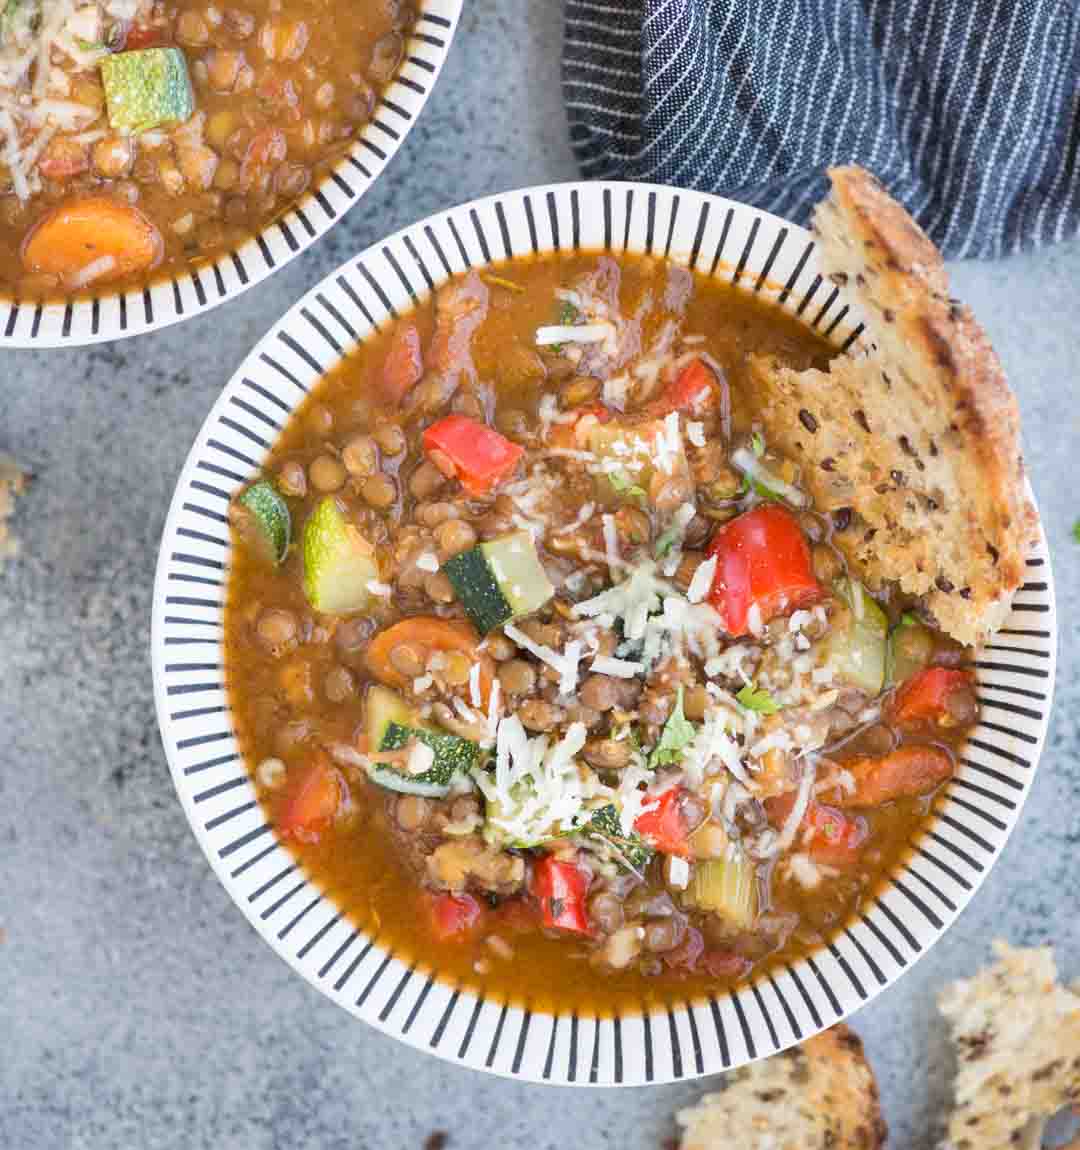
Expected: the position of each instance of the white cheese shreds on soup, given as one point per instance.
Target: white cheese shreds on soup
(702, 582)
(537, 790)
(678, 872)
(750, 465)
(573, 333)
(617, 668)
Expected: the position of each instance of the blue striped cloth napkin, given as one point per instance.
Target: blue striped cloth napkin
(968, 110)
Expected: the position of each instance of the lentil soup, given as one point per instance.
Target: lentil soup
(545, 667)
(141, 137)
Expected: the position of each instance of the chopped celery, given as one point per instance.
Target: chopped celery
(728, 888)
(856, 648)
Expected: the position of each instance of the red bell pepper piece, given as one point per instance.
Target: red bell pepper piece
(924, 698)
(561, 888)
(481, 457)
(454, 916)
(763, 559)
(141, 36)
(404, 364)
(691, 391)
(311, 801)
(663, 825)
(908, 771)
(838, 839)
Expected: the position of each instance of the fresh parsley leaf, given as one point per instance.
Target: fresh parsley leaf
(759, 489)
(667, 541)
(677, 735)
(757, 444)
(754, 700)
(622, 484)
(1076, 531)
(565, 314)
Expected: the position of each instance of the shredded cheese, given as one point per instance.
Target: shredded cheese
(573, 333)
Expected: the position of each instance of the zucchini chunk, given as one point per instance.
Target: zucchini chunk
(392, 725)
(856, 648)
(339, 562)
(269, 516)
(499, 580)
(147, 88)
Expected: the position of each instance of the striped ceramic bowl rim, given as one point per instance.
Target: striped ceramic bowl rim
(949, 859)
(95, 319)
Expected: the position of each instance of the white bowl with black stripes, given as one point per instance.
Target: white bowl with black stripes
(116, 315)
(949, 859)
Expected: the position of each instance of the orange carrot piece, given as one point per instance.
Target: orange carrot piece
(903, 773)
(83, 231)
(435, 634)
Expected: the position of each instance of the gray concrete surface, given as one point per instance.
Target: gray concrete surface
(137, 1009)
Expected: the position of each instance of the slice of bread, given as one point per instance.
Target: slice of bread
(1017, 1039)
(919, 437)
(12, 483)
(822, 1093)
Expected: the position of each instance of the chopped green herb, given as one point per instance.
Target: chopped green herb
(757, 444)
(623, 485)
(754, 700)
(1076, 531)
(759, 489)
(908, 620)
(567, 313)
(667, 541)
(677, 735)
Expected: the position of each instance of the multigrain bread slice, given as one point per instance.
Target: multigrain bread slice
(822, 1093)
(919, 437)
(12, 483)
(1017, 1039)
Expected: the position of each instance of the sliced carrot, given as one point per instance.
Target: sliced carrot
(311, 801)
(92, 230)
(903, 773)
(434, 634)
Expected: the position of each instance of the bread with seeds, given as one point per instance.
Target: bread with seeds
(822, 1093)
(917, 438)
(1017, 1039)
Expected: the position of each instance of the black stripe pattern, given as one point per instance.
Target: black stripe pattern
(970, 113)
(948, 859)
(169, 301)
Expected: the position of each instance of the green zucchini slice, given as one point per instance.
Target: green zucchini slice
(147, 88)
(500, 580)
(270, 517)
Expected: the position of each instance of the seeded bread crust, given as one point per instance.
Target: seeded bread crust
(920, 437)
(1017, 1039)
(822, 1093)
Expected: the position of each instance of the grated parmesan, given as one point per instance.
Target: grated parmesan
(574, 333)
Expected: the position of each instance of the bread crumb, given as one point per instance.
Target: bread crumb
(822, 1093)
(12, 484)
(1017, 1037)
